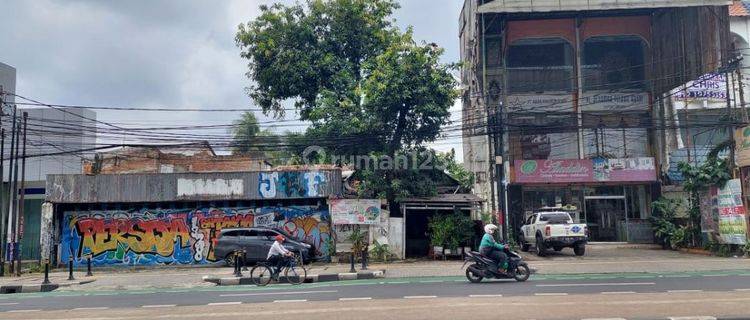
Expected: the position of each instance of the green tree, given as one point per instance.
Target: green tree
(245, 131)
(456, 170)
(365, 86)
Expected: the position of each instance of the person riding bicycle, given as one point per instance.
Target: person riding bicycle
(278, 255)
(492, 249)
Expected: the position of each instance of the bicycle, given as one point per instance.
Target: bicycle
(294, 273)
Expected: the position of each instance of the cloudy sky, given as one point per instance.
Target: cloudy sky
(174, 54)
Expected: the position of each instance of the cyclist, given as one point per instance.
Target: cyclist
(278, 256)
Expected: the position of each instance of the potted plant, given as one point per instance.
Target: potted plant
(357, 238)
(331, 250)
(438, 227)
(381, 251)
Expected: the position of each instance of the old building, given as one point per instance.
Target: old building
(193, 157)
(563, 102)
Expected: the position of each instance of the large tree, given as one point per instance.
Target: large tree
(365, 86)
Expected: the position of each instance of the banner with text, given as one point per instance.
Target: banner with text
(586, 170)
(732, 214)
(355, 211)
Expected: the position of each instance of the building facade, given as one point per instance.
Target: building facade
(563, 102)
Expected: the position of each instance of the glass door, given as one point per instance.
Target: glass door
(606, 218)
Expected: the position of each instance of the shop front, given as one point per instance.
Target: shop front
(612, 196)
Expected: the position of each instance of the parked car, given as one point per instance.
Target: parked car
(257, 242)
(555, 230)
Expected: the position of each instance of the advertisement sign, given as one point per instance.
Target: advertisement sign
(597, 170)
(732, 224)
(742, 146)
(710, 86)
(709, 211)
(355, 211)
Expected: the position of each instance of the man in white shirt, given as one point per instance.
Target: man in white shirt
(278, 255)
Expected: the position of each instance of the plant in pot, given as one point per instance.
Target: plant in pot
(381, 251)
(357, 238)
(330, 246)
(461, 231)
(438, 227)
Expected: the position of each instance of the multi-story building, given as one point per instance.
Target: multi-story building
(563, 102)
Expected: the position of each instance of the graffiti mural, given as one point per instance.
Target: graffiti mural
(177, 236)
(291, 184)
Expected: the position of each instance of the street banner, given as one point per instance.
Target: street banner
(709, 210)
(732, 223)
(355, 211)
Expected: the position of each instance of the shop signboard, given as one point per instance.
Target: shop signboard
(742, 146)
(355, 211)
(732, 214)
(586, 170)
(710, 86)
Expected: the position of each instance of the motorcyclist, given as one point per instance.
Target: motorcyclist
(492, 249)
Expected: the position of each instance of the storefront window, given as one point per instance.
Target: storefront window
(636, 197)
(539, 65)
(566, 198)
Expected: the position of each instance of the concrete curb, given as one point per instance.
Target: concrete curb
(31, 288)
(311, 278)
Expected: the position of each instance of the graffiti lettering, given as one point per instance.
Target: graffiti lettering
(291, 184)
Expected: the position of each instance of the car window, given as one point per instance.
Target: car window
(233, 233)
(555, 218)
(267, 234)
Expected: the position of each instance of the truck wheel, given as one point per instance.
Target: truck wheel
(540, 249)
(522, 243)
(579, 249)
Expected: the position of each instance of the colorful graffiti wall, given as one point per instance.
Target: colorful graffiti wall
(177, 236)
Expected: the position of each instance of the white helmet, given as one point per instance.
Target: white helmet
(489, 228)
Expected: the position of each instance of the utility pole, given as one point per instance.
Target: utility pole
(19, 215)
(7, 230)
(2, 187)
(741, 89)
(14, 192)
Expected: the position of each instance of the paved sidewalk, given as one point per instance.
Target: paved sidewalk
(598, 259)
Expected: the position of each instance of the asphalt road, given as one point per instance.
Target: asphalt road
(413, 289)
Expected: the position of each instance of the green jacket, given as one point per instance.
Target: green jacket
(489, 241)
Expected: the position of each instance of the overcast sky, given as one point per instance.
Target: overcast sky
(160, 54)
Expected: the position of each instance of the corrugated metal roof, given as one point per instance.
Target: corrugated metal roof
(583, 5)
(129, 188)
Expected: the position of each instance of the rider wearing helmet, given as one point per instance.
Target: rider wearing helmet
(493, 250)
(278, 255)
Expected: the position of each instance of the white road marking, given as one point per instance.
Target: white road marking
(396, 282)
(8, 303)
(24, 310)
(419, 297)
(159, 306)
(683, 291)
(618, 292)
(551, 294)
(485, 295)
(604, 319)
(430, 281)
(693, 318)
(91, 308)
(742, 290)
(276, 293)
(355, 299)
(715, 275)
(598, 284)
(287, 301)
(224, 303)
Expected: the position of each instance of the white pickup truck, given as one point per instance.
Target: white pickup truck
(553, 230)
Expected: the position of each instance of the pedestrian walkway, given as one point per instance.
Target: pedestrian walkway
(599, 259)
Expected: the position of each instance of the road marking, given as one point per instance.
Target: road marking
(276, 293)
(24, 310)
(159, 306)
(485, 295)
(677, 276)
(288, 301)
(8, 303)
(91, 308)
(430, 281)
(224, 303)
(355, 299)
(715, 275)
(419, 297)
(693, 318)
(683, 291)
(604, 319)
(618, 292)
(597, 284)
(396, 282)
(742, 290)
(551, 294)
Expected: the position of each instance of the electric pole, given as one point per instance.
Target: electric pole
(19, 216)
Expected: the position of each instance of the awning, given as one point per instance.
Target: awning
(582, 5)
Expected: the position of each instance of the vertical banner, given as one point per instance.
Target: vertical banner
(732, 224)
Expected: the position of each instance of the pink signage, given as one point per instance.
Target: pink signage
(587, 170)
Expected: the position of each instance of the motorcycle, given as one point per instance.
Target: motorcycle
(483, 267)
